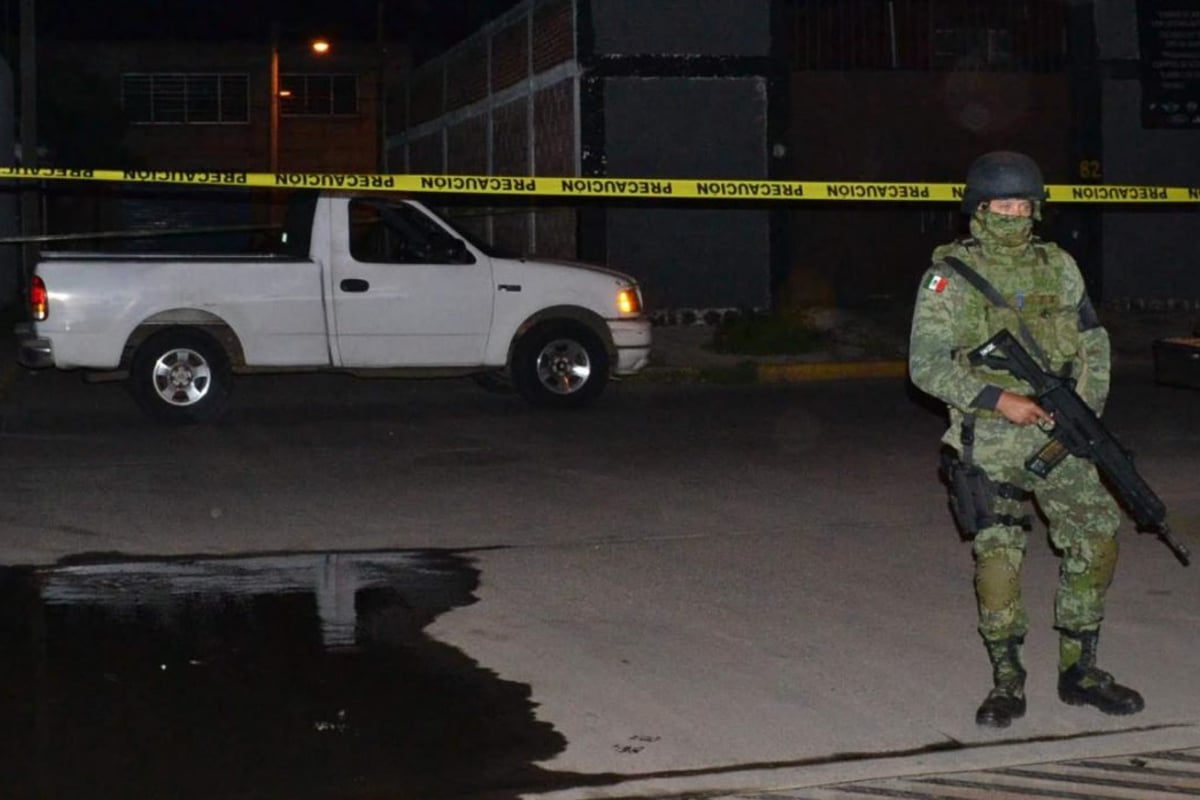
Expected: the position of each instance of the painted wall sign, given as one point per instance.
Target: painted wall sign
(1169, 38)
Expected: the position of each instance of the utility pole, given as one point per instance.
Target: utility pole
(28, 134)
(380, 90)
(274, 106)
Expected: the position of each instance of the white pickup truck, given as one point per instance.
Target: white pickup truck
(361, 283)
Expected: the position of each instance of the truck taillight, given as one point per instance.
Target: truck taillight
(39, 300)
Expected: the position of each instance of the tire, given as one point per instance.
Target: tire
(560, 365)
(181, 376)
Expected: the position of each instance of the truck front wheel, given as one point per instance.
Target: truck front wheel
(181, 376)
(562, 365)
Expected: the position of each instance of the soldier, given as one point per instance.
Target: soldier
(995, 425)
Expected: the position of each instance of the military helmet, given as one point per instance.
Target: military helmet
(1001, 175)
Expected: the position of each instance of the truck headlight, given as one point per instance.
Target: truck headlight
(629, 300)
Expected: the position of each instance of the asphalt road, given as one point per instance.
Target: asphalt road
(706, 588)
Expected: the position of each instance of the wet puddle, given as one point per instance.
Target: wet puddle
(304, 677)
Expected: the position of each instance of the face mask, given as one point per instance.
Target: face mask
(1004, 230)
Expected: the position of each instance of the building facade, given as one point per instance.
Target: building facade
(846, 90)
(611, 88)
(205, 105)
(1146, 76)
(177, 105)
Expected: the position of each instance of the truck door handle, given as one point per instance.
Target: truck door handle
(354, 285)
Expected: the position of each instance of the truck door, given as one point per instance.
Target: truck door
(406, 290)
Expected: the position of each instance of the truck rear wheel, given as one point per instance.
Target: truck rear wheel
(561, 365)
(181, 376)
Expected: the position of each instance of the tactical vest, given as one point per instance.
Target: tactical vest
(1036, 287)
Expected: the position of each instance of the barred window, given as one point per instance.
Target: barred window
(972, 48)
(176, 98)
(942, 35)
(318, 95)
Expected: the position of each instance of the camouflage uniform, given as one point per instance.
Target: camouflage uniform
(1043, 289)
(951, 318)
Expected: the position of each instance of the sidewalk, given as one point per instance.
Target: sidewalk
(865, 345)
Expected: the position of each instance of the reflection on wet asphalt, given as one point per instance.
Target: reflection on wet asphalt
(294, 676)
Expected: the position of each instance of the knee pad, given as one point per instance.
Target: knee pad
(1096, 560)
(998, 578)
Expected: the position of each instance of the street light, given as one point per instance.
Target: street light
(320, 46)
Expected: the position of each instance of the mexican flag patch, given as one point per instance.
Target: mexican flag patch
(938, 283)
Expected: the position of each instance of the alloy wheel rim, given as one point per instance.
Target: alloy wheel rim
(182, 377)
(564, 366)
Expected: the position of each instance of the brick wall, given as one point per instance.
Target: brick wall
(510, 55)
(466, 76)
(488, 80)
(425, 155)
(466, 147)
(554, 154)
(510, 156)
(553, 35)
(425, 96)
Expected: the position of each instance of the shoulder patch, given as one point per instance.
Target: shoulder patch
(937, 283)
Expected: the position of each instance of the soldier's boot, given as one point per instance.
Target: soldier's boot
(1006, 701)
(1081, 683)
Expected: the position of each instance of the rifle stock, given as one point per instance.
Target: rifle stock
(1078, 431)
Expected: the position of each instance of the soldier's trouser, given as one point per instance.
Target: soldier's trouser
(1083, 521)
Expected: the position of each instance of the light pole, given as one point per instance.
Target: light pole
(274, 109)
(380, 91)
(30, 195)
(320, 46)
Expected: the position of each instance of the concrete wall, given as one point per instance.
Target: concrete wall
(681, 27)
(679, 89)
(681, 128)
(1150, 255)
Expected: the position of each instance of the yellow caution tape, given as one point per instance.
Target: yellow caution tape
(689, 189)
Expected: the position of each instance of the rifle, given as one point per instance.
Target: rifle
(1079, 432)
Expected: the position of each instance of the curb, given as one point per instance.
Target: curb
(751, 372)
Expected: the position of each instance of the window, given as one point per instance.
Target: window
(185, 98)
(304, 95)
(949, 35)
(397, 233)
(972, 48)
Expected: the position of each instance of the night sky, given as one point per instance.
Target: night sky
(430, 26)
